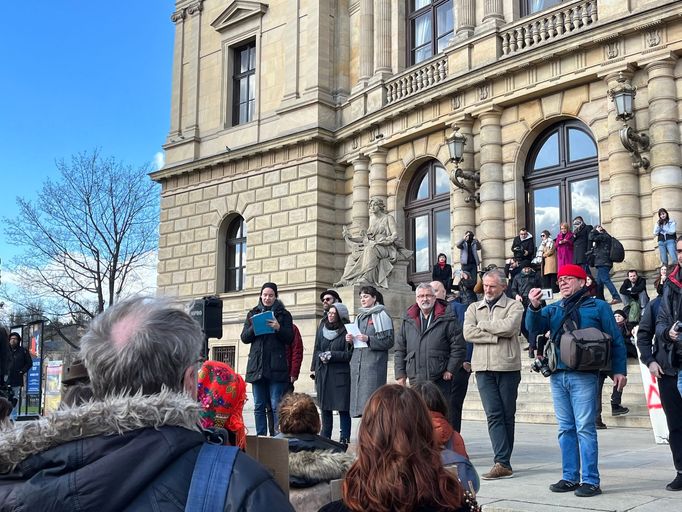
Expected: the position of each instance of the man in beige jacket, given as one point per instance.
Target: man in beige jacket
(492, 325)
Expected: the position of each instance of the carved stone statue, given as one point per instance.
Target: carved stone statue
(375, 251)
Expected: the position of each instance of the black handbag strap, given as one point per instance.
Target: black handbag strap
(567, 316)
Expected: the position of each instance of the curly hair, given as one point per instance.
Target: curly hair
(298, 415)
(399, 467)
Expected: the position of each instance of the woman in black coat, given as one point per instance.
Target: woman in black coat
(331, 364)
(267, 369)
(442, 271)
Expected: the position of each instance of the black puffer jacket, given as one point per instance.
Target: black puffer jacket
(267, 357)
(126, 454)
(601, 248)
(21, 363)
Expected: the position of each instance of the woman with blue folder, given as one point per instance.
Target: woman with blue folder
(268, 329)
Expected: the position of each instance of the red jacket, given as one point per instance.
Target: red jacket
(294, 354)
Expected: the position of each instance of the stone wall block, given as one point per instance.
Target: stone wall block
(196, 195)
(305, 260)
(201, 288)
(271, 235)
(280, 190)
(307, 169)
(263, 222)
(182, 198)
(194, 248)
(308, 229)
(297, 216)
(573, 100)
(255, 182)
(185, 290)
(307, 199)
(193, 275)
(203, 207)
(174, 213)
(225, 189)
(289, 203)
(261, 251)
(270, 265)
(296, 277)
(287, 262)
(210, 192)
(173, 238)
(187, 236)
(531, 112)
(178, 277)
(296, 187)
(263, 194)
(253, 210)
(271, 177)
(240, 185)
(289, 174)
(271, 206)
(419, 146)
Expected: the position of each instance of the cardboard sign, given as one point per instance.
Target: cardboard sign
(274, 455)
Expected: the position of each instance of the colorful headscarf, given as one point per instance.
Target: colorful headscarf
(222, 394)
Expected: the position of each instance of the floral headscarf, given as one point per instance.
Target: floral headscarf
(222, 394)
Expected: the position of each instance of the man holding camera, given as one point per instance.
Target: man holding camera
(468, 256)
(574, 392)
(523, 246)
(669, 334)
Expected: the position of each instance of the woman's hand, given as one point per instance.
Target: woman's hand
(349, 338)
(274, 324)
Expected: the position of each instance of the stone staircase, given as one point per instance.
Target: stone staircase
(534, 403)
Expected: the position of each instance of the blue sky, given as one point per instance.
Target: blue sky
(78, 75)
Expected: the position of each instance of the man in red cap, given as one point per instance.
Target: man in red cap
(574, 392)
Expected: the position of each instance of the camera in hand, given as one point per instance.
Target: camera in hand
(540, 364)
(677, 326)
(518, 252)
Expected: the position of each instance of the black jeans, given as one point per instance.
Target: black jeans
(672, 406)
(460, 386)
(616, 396)
(499, 391)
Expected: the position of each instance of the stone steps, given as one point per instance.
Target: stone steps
(534, 404)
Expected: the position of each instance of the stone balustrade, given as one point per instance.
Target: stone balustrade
(549, 25)
(416, 80)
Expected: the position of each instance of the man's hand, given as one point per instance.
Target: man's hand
(535, 297)
(447, 375)
(467, 366)
(293, 379)
(519, 298)
(655, 370)
(674, 335)
(402, 381)
(619, 381)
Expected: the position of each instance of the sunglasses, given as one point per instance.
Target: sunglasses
(328, 299)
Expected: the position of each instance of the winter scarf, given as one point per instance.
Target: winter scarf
(382, 322)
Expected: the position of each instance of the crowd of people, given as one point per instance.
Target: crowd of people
(142, 391)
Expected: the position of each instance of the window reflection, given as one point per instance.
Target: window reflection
(442, 181)
(580, 145)
(546, 210)
(421, 243)
(443, 232)
(533, 6)
(548, 156)
(423, 191)
(585, 200)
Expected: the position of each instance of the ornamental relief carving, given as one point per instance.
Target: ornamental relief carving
(653, 37)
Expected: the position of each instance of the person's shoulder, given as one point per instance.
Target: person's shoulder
(334, 506)
(250, 477)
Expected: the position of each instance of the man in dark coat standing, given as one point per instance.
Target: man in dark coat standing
(429, 345)
(581, 243)
(21, 363)
(523, 246)
(602, 260)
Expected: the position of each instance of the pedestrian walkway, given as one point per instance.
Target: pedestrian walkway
(634, 470)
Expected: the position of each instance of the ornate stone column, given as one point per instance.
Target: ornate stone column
(664, 132)
(377, 174)
(192, 76)
(382, 37)
(360, 209)
(178, 17)
(623, 188)
(366, 41)
(465, 17)
(492, 10)
(491, 225)
(463, 214)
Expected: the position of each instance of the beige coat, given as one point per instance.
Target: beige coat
(549, 259)
(495, 335)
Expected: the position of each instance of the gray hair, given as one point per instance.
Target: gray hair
(497, 274)
(425, 286)
(140, 344)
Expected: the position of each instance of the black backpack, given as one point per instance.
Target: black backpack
(617, 252)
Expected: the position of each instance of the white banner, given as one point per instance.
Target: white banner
(653, 404)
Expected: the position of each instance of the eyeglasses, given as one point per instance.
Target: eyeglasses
(425, 296)
(543, 236)
(328, 299)
(565, 279)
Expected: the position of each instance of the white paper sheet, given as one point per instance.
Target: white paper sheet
(353, 330)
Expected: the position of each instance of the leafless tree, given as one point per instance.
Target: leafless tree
(85, 236)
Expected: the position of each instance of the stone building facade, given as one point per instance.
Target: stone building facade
(287, 115)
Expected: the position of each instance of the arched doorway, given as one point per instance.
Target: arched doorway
(562, 178)
(427, 215)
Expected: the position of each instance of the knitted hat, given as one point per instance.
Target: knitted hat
(333, 293)
(272, 286)
(222, 394)
(620, 312)
(342, 311)
(572, 270)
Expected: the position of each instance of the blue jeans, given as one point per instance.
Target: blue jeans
(328, 423)
(604, 278)
(498, 391)
(15, 410)
(667, 250)
(574, 395)
(679, 382)
(266, 392)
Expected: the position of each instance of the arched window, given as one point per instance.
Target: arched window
(562, 178)
(235, 254)
(427, 212)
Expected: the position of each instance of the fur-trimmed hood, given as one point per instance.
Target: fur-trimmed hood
(308, 468)
(114, 415)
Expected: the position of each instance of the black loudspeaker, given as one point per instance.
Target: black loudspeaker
(208, 312)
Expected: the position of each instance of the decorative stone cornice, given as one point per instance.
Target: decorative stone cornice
(195, 8)
(178, 15)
